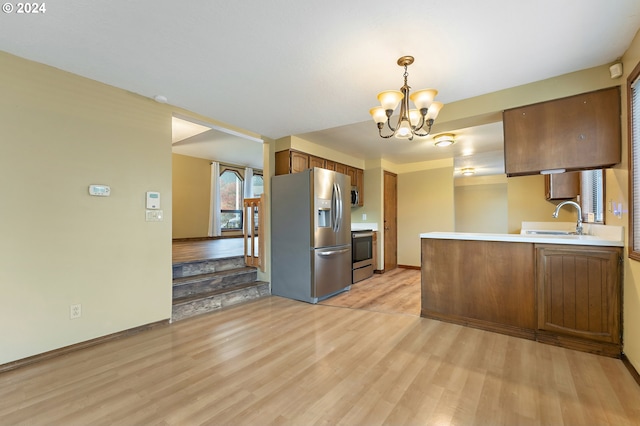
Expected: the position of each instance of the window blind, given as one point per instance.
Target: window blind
(635, 159)
(591, 195)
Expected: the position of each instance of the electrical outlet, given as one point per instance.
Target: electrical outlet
(364, 216)
(75, 311)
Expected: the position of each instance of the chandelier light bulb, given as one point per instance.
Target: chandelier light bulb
(404, 131)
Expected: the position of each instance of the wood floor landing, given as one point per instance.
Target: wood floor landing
(278, 361)
(188, 251)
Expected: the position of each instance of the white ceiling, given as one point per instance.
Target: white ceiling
(313, 69)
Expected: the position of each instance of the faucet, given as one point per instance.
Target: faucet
(577, 206)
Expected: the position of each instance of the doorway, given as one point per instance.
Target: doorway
(195, 146)
(390, 221)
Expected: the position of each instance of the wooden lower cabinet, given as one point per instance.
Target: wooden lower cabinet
(565, 295)
(485, 284)
(579, 297)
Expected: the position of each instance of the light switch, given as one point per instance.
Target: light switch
(154, 215)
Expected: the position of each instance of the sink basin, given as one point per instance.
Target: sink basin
(542, 232)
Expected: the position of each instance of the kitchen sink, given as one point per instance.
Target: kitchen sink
(542, 232)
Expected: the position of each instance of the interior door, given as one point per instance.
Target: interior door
(390, 221)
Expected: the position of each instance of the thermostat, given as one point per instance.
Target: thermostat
(100, 190)
(153, 200)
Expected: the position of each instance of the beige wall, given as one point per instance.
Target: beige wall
(617, 189)
(61, 246)
(527, 203)
(191, 196)
(425, 204)
(481, 208)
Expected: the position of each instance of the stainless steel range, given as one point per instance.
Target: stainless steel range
(362, 254)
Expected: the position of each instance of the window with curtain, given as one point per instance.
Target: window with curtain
(231, 200)
(633, 95)
(258, 185)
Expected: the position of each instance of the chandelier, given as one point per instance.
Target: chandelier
(411, 122)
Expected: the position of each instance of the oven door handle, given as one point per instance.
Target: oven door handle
(362, 234)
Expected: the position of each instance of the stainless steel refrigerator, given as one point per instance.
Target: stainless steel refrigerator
(310, 234)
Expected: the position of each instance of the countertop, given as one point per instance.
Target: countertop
(364, 226)
(598, 235)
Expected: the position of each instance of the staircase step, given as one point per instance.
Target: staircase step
(204, 283)
(188, 306)
(207, 266)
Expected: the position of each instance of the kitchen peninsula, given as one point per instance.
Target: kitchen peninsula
(549, 286)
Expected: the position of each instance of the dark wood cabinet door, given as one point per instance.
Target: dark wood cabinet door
(573, 133)
(562, 186)
(341, 168)
(579, 291)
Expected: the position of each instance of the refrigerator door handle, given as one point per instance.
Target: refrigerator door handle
(332, 252)
(334, 214)
(338, 206)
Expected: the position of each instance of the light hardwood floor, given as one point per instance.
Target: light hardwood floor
(396, 291)
(278, 361)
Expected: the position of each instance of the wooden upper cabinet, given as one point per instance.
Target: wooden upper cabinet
(316, 162)
(353, 174)
(341, 168)
(575, 133)
(291, 161)
(299, 161)
(562, 186)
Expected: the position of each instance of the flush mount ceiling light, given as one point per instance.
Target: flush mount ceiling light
(468, 171)
(411, 122)
(444, 140)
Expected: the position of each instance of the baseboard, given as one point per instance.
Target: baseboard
(409, 267)
(194, 239)
(631, 368)
(72, 348)
(382, 271)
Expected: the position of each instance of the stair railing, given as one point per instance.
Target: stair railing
(253, 225)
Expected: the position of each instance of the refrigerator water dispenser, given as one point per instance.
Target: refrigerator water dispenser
(324, 213)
